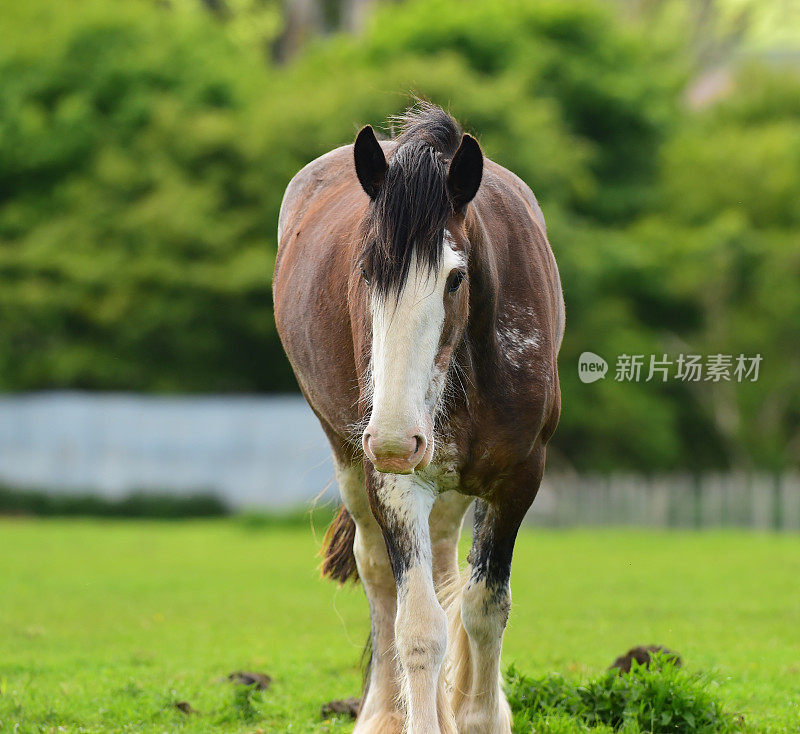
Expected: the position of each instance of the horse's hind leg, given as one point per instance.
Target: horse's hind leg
(379, 709)
(445, 522)
(402, 506)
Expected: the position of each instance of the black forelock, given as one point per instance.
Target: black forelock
(411, 209)
(427, 122)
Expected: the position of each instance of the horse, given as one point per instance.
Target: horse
(419, 303)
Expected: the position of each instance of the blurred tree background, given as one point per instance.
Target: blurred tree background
(145, 146)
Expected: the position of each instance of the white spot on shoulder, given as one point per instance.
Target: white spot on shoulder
(518, 339)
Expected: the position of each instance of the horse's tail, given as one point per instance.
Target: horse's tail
(458, 662)
(338, 559)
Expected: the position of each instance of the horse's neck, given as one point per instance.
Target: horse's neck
(481, 332)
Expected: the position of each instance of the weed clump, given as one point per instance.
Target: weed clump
(662, 699)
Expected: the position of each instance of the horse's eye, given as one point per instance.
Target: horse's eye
(455, 279)
(364, 275)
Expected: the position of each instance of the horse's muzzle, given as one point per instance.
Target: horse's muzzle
(397, 453)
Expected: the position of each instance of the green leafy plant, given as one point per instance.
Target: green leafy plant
(661, 699)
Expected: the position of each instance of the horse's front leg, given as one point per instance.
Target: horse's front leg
(478, 699)
(485, 605)
(402, 506)
(379, 712)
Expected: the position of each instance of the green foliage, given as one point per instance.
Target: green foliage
(659, 699)
(136, 505)
(145, 147)
(570, 97)
(132, 233)
(708, 269)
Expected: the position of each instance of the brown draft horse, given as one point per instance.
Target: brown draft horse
(420, 305)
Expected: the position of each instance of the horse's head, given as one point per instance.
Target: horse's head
(414, 265)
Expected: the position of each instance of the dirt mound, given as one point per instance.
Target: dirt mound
(643, 655)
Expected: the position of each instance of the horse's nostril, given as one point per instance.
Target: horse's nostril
(420, 445)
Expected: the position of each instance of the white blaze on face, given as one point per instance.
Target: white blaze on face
(406, 332)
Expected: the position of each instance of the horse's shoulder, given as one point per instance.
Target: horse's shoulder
(530, 312)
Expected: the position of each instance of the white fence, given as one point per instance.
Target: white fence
(763, 501)
(252, 451)
(270, 452)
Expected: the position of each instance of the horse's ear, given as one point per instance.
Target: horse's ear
(466, 171)
(370, 161)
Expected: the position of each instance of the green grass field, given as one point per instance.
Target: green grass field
(105, 625)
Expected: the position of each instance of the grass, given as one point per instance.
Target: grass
(106, 625)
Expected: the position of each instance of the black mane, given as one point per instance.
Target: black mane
(412, 207)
